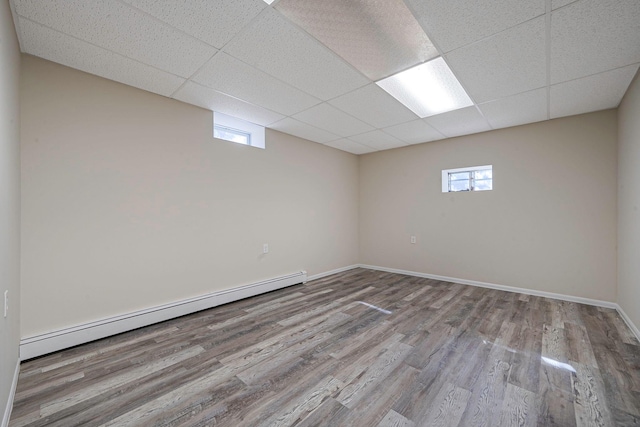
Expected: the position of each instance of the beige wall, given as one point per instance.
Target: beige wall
(9, 202)
(548, 225)
(629, 203)
(128, 202)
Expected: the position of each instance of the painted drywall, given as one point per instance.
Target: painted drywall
(9, 202)
(128, 202)
(548, 225)
(629, 203)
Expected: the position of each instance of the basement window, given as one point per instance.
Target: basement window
(237, 130)
(475, 178)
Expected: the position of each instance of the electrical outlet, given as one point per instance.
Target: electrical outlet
(6, 303)
(413, 240)
(265, 248)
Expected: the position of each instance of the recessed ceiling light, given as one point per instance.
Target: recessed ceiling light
(269, 1)
(427, 89)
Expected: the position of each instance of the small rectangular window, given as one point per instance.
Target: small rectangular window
(475, 178)
(233, 135)
(237, 130)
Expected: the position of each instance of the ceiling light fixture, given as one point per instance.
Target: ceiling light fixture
(427, 89)
(268, 1)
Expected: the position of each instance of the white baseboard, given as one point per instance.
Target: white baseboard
(525, 291)
(39, 345)
(628, 321)
(329, 273)
(12, 394)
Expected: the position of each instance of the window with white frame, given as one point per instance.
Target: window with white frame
(237, 130)
(475, 178)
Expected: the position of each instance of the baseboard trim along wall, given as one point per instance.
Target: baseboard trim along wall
(329, 273)
(629, 323)
(525, 291)
(570, 298)
(39, 345)
(12, 394)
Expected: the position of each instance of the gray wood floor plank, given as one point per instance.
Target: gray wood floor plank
(358, 348)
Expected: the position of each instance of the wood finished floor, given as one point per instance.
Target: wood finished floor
(360, 348)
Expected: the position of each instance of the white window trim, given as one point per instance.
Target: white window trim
(446, 172)
(255, 132)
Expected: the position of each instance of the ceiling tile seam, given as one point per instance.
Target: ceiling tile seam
(511, 96)
(423, 26)
(435, 130)
(483, 39)
(328, 101)
(319, 101)
(331, 106)
(409, 121)
(166, 24)
(357, 143)
(595, 74)
(371, 124)
(508, 96)
(239, 34)
(244, 29)
(190, 78)
(101, 47)
(323, 46)
(380, 130)
(483, 116)
(307, 124)
(547, 43)
(566, 5)
(365, 145)
(249, 103)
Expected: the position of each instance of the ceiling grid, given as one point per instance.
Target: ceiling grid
(310, 68)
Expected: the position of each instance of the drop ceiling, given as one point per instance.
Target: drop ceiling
(308, 67)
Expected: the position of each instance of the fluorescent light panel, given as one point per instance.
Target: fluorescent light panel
(427, 89)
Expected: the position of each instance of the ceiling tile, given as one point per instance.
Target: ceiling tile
(379, 38)
(117, 27)
(378, 140)
(303, 130)
(66, 50)
(210, 99)
(274, 45)
(591, 36)
(414, 132)
(593, 93)
(511, 62)
(459, 122)
(329, 118)
(214, 22)
(374, 106)
(226, 74)
(528, 107)
(455, 23)
(555, 4)
(350, 146)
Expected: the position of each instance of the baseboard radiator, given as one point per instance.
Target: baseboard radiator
(39, 345)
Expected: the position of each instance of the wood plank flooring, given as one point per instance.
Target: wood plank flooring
(360, 348)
